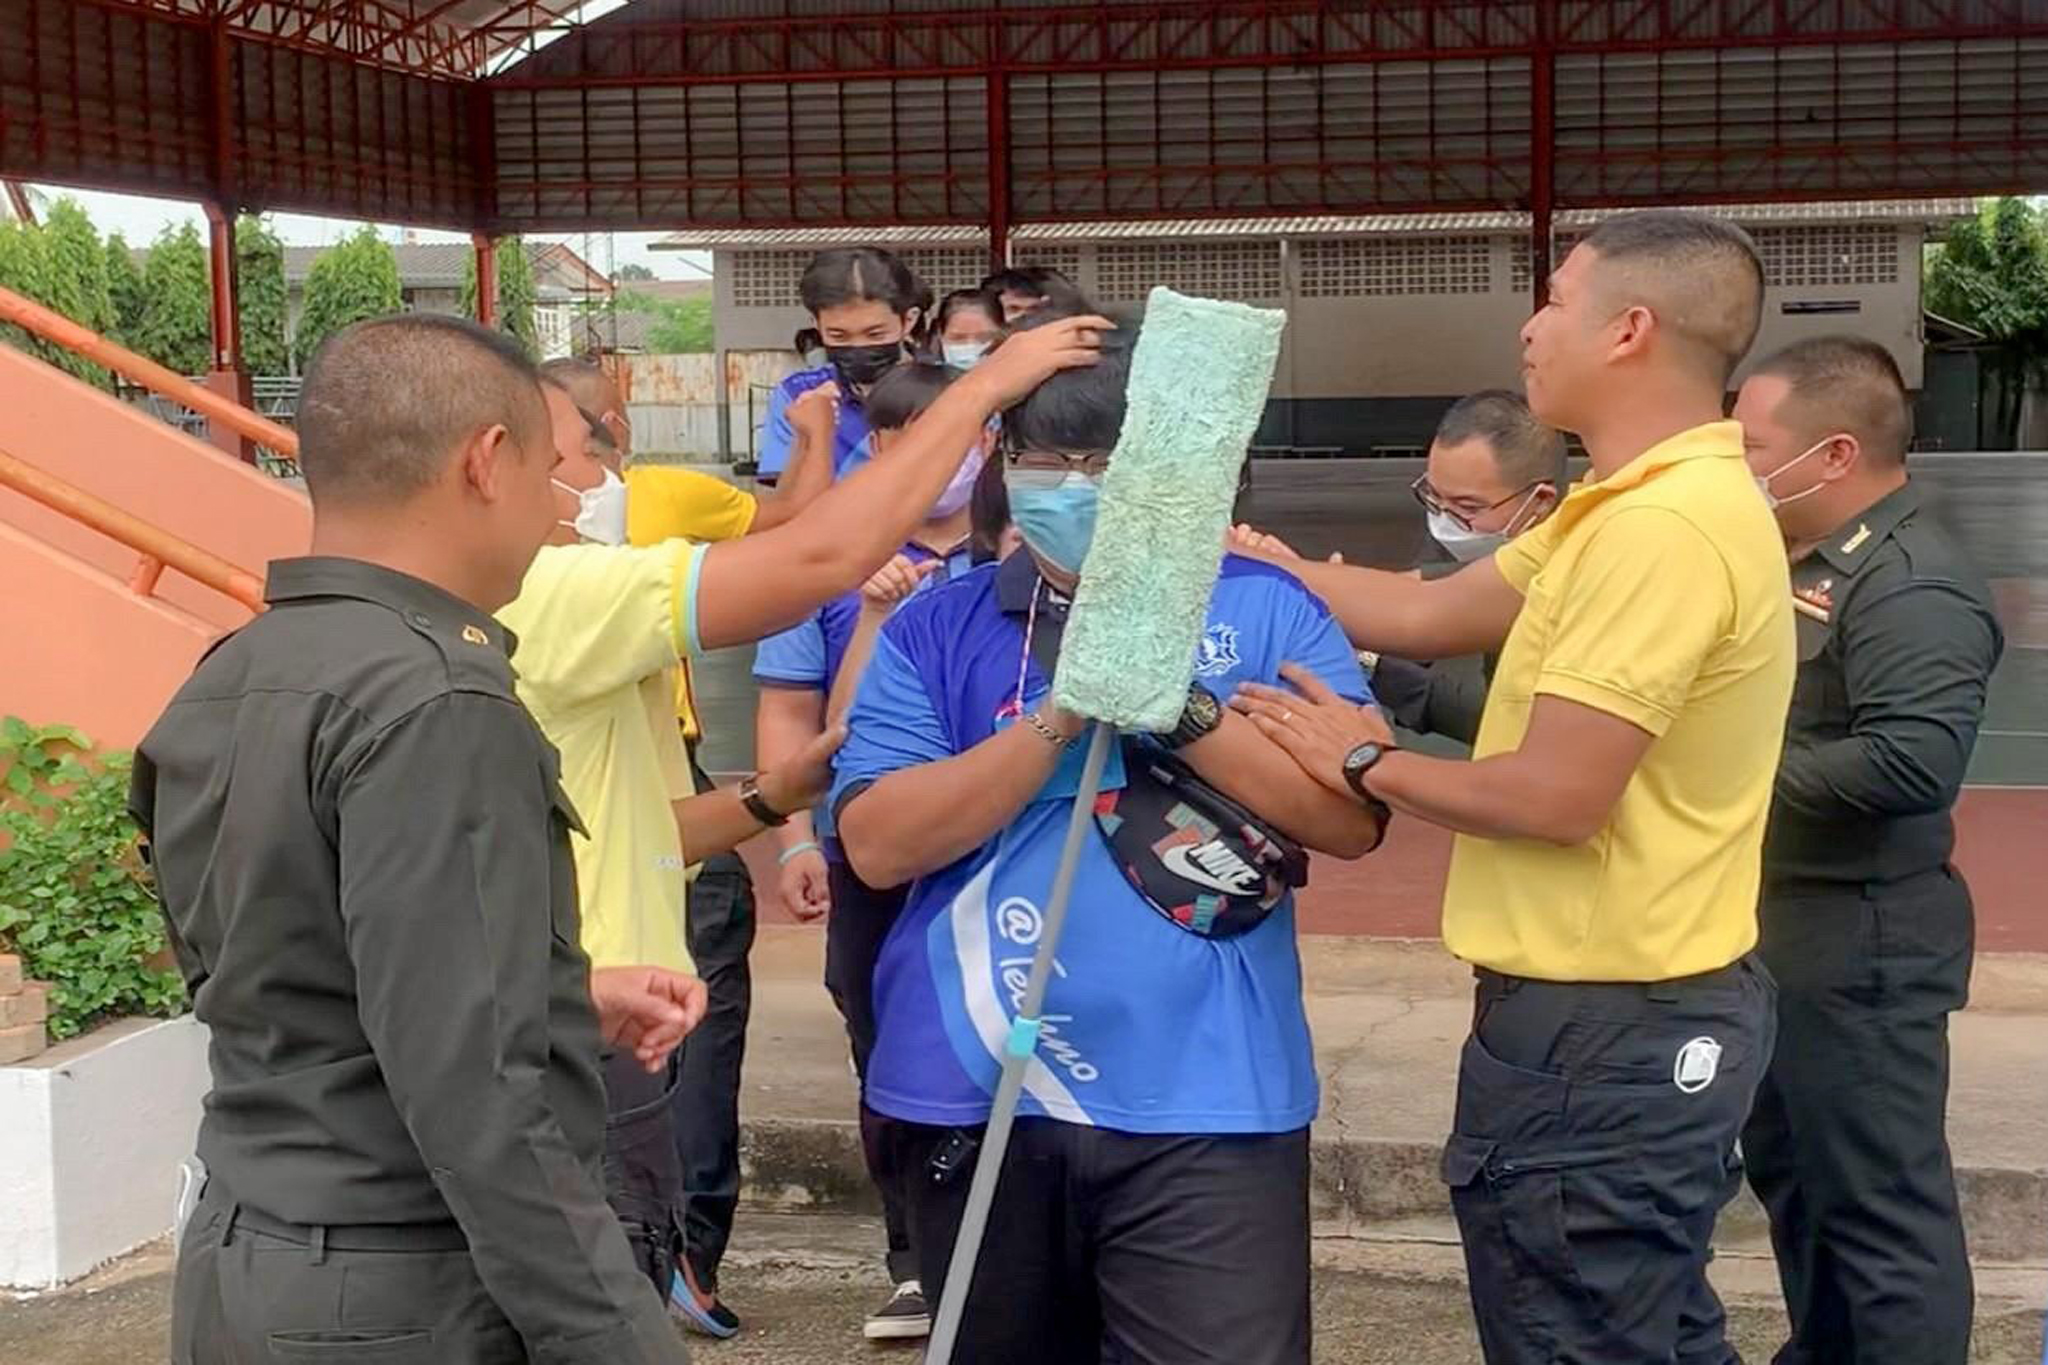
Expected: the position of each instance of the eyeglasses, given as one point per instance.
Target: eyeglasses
(1047, 468)
(1433, 501)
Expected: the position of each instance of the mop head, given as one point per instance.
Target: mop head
(1199, 378)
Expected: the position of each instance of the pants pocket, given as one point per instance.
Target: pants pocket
(356, 1346)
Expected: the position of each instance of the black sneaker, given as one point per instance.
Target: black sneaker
(904, 1317)
(697, 1310)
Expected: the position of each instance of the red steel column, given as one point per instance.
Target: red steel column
(486, 278)
(227, 376)
(1542, 151)
(998, 150)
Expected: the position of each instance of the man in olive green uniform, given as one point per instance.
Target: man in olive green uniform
(363, 856)
(1865, 923)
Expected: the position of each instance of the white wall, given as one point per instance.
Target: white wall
(91, 1136)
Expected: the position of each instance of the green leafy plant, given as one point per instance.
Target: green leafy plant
(259, 283)
(175, 326)
(124, 289)
(353, 280)
(78, 282)
(76, 901)
(1991, 274)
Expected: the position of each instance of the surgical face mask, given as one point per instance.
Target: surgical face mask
(1463, 543)
(964, 355)
(1056, 519)
(861, 366)
(1763, 481)
(600, 511)
(961, 489)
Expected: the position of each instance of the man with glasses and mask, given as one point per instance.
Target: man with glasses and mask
(1494, 471)
(1865, 923)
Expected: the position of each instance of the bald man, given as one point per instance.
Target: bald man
(1610, 824)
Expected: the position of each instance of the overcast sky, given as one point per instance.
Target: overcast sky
(139, 219)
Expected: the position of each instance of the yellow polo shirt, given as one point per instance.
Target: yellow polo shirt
(665, 502)
(1661, 595)
(601, 632)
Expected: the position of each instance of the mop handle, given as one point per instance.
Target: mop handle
(1023, 1045)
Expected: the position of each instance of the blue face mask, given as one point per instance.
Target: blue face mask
(1057, 520)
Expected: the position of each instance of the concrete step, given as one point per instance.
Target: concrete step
(1388, 1023)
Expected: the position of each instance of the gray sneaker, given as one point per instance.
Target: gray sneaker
(904, 1317)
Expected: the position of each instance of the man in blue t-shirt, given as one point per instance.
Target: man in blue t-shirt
(1155, 1203)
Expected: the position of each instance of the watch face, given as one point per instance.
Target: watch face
(1203, 708)
(1360, 760)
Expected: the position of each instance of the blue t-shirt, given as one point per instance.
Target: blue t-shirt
(1147, 1027)
(778, 437)
(808, 654)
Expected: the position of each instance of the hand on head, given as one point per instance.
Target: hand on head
(1025, 359)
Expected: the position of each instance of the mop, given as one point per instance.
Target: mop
(1199, 378)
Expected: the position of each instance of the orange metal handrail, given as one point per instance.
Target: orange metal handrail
(158, 548)
(59, 330)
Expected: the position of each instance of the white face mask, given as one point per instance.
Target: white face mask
(1763, 481)
(964, 355)
(1467, 545)
(600, 511)
(1464, 544)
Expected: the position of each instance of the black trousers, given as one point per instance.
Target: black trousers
(1119, 1248)
(1848, 1146)
(1593, 1149)
(251, 1290)
(643, 1180)
(707, 1098)
(861, 919)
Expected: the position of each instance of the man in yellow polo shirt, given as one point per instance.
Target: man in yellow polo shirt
(602, 628)
(1610, 823)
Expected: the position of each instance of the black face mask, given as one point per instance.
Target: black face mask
(860, 366)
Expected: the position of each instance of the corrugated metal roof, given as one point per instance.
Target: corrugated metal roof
(1326, 225)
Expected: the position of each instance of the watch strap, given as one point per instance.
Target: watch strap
(757, 804)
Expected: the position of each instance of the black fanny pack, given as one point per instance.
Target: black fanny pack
(1197, 857)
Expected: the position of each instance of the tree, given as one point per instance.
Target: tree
(1991, 275)
(259, 283)
(517, 293)
(78, 283)
(632, 272)
(25, 268)
(356, 279)
(124, 291)
(685, 327)
(175, 324)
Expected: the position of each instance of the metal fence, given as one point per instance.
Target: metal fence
(274, 396)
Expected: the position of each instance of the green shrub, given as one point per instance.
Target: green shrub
(76, 901)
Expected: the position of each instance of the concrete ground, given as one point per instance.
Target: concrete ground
(802, 1287)
(1389, 1282)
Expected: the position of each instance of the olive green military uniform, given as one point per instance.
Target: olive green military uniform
(1868, 929)
(363, 856)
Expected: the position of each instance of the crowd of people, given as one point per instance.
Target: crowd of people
(463, 912)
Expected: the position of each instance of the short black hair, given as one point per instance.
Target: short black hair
(988, 513)
(1078, 410)
(1526, 451)
(902, 395)
(386, 401)
(1702, 277)
(861, 274)
(1040, 282)
(1846, 383)
(962, 300)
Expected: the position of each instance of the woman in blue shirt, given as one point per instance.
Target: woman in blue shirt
(868, 307)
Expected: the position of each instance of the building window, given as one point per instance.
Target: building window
(1520, 281)
(767, 279)
(1829, 254)
(1126, 272)
(1357, 267)
(947, 268)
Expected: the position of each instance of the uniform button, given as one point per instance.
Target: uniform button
(421, 619)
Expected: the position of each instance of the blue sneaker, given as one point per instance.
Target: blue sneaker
(700, 1312)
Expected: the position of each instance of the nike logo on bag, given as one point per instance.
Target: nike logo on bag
(1213, 865)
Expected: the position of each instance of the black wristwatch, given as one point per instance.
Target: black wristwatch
(1361, 761)
(757, 804)
(1199, 717)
